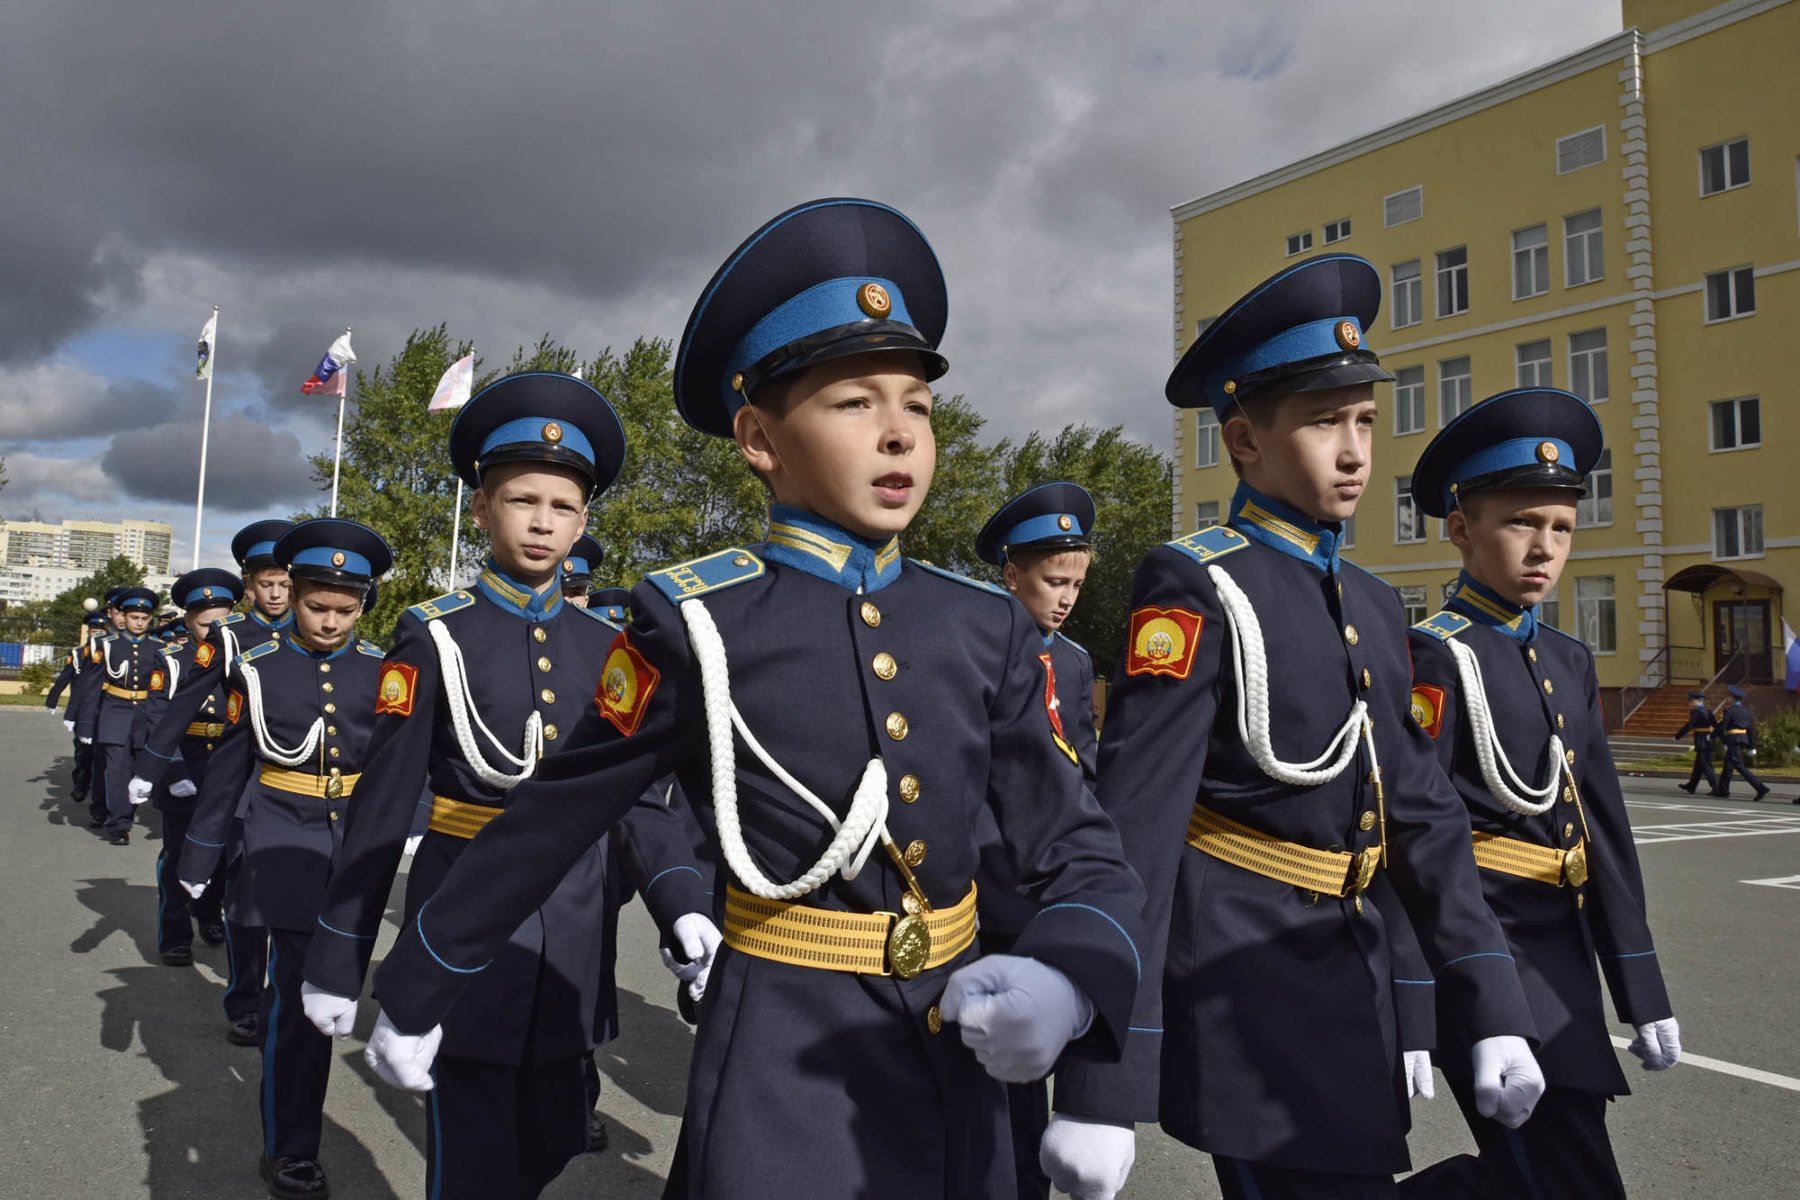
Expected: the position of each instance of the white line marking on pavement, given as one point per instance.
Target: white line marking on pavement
(1785, 881)
(1725, 1068)
(1650, 835)
(1678, 806)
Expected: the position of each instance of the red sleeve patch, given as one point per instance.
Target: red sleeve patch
(395, 695)
(626, 684)
(234, 707)
(204, 655)
(1428, 707)
(1051, 704)
(156, 681)
(1163, 641)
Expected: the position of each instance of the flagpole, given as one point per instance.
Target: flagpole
(338, 462)
(212, 354)
(455, 530)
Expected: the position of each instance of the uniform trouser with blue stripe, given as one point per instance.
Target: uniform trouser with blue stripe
(246, 946)
(497, 1131)
(296, 1056)
(81, 775)
(117, 807)
(1240, 1179)
(1735, 761)
(97, 784)
(176, 912)
(1562, 1153)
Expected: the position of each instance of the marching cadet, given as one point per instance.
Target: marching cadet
(207, 595)
(585, 557)
(1042, 541)
(298, 720)
(128, 669)
(509, 653)
(1515, 711)
(84, 696)
(81, 771)
(1700, 723)
(1264, 772)
(613, 603)
(880, 703)
(208, 678)
(1738, 726)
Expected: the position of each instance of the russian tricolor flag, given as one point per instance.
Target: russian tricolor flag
(328, 378)
(1791, 651)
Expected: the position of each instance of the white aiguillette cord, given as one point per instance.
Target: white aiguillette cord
(1496, 769)
(462, 708)
(861, 829)
(267, 745)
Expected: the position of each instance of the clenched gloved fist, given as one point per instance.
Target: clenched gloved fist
(138, 790)
(196, 890)
(330, 1014)
(1016, 1014)
(401, 1058)
(1418, 1074)
(699, 940)
(1508, 1080)
(181, 789)
(1090, 1160)
(1658, 1044)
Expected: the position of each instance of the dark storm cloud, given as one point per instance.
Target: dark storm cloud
(60, 402)
(249, 467)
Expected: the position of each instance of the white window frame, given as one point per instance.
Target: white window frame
(1409, 593)
(1748, 518)
(1342, 225)
(1206, 437)
(1537, 257)
(1593, 240)
(1543, 369)
(1203, 519)
(1348, 541)
(1445, 416)
(1401, 401)
(1388, 200)
(1595, 511)
(1552, 601)
(1724, 149)
(1742, 270)
(1403, 500)
(1597, 363)
(1737, 404)
(1452, 273)
(1299, 243)
(1607, 603)
(1417, 288)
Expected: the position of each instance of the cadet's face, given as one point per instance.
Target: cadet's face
(324, 617)
(1516, 542)
(200, 620)
(116, 617)
(1048, 585)
(532, 514)
(1313, 454)
(270, 590)
(853, 443)
(136, 622)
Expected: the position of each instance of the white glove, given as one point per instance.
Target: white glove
(330, 1014)
(400, 1058)
(1508, 1080)
(85, 741)
(1418, 1074)
(699, 940)
(1658, 1044)
(1016, 1014)
(68, 725)
(1087, 1159)
(196, 890)
(412, 843)
(138, 790)
(181, 789)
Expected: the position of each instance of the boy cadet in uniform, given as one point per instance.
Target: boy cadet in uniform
(585, 556)
(298, 720)
(613, 603)
(129, 669)
(1700, 723)
(878, 704)
(207, 595)
(268, 619)
(1263, 769)
(1738, 727)
(480, 685)
(84, 701)
(82, 769)
(1515, 711)
(1042, 541)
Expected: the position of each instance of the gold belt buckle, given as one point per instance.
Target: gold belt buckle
(908, 945)
(1575, 868)
(215, 729)
(334, 786)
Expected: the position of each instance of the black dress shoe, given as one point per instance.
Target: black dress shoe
(1721, 795)
(212, 932)
(596, 1140)
(178, 956)
(1759, 795)
(96, 822)
(299, 1178)
(78, 795)
(1687, 787)
(119, 839)
(245, 1031)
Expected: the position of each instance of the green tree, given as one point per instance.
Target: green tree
(968, 485)
(57, 622)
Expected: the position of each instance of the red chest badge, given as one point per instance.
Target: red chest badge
(1051, 704)
(395, 694)
(1163, 641)
(626, 684)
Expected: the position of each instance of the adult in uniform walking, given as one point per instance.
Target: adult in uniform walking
(1738, 727)
(1700, 723)
(129, 670)
(1514, 708)
(299, 716)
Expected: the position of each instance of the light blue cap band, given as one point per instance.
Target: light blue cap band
(1039, 528)
(1315, 339)
(259, 550)
(820, 307)
(321, 556)
(217, 596)
(531, 429)
(1503, 456)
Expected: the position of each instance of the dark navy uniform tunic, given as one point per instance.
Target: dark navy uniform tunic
(231, 636)
(174, 908)
(523, 653)
(1540, 683)
(837, 650)
(1267, 1012)
(1700, 724)
(131, 667)
(1738, 728)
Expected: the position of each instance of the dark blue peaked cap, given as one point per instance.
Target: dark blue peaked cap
(135, 599)
(613, 603)
(1298, 331)
(822, 280)
(208, 587)
(254, 545)
(539, 416)
(329, 550)
(1525, 438)
(584, 557)
(1048, 516)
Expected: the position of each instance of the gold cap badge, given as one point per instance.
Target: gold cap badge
(1347, 335)
(337, 560)
(1231, 387)
(1065, 522)
(553, 433)
(872, 298)
(1547, 452)
(206, 592)
(568, 564)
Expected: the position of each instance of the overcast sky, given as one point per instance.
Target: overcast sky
(580, 168)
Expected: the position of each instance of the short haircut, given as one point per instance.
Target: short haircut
(1027, 557)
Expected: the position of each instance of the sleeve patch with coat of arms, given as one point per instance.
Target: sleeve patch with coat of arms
(234, 707)
(204, 655)
(626, 684)
(394, 696)
(1162, 641)
(1428, 707)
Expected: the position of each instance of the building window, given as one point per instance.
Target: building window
(1398, 208)
(1738, 532)
(1532, 361)
(1337, 231)
(1206, 514)
(1730, 293)
(1531, 262)
(1584, 248)
(1587, 366)
(1299, 243)
(1596, 613)
(1453, 281)
(1413, 598)
(1724, 167)
(1550, 608)
(1206, 438)
(1455, 388)
(1409, 526)
(1736, 424)
(1409, 400)
(1579, 150)
(1201, 323)
(1409, 306)
(1347, 539)
(1596, 507)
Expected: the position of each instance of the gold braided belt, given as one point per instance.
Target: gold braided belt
(460, 818)
(123, 693)
(862, 943)
(325, 787)
(206, 729)
(1336, 873)
(1528, 860)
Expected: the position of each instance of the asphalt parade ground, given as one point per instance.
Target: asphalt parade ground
(117, 1080)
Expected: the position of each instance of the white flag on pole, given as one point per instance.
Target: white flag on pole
(454, 388)
(209, 337)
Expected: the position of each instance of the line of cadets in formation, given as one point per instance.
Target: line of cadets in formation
(863, 799)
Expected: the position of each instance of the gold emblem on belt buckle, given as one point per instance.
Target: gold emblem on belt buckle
(909, 946)
(1575, 869)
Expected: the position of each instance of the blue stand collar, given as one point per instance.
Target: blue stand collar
(281, 622)
(298, 645)
(513, 597)
(1267, 520)
(1484, 606)
(808, 542)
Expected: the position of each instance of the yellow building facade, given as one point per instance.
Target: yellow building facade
(1623, 222)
